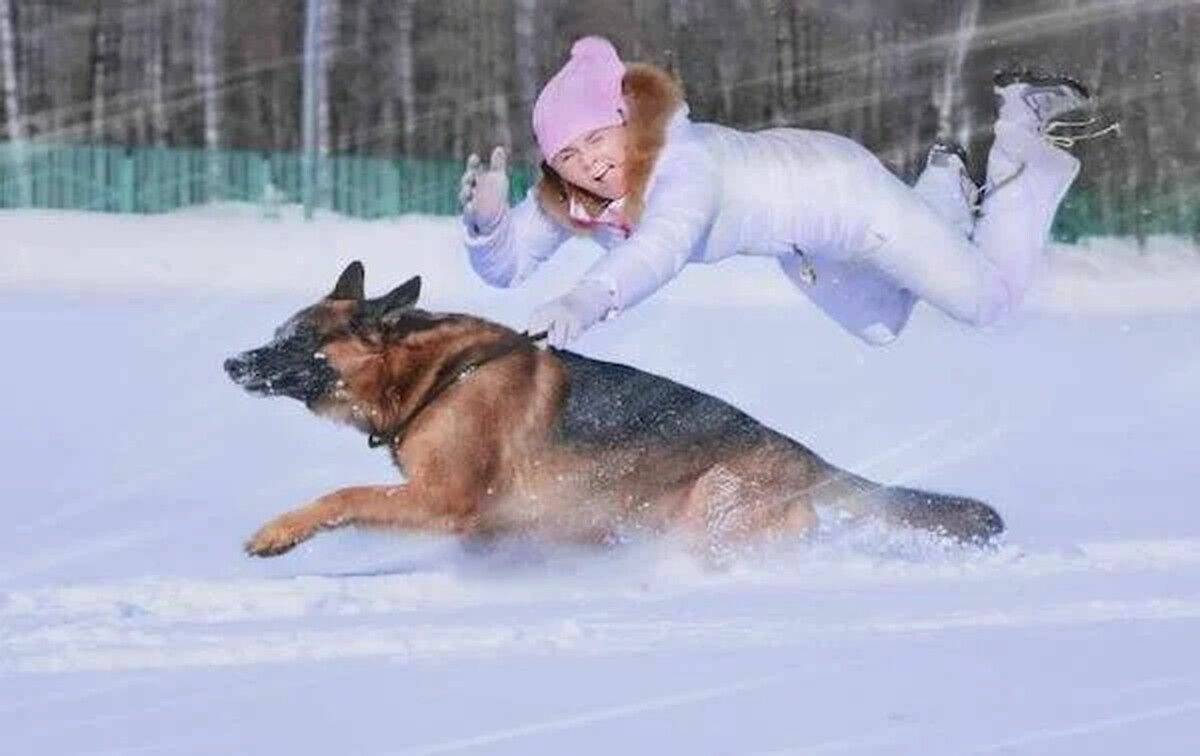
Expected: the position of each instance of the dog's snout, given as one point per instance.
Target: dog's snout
(235, 368)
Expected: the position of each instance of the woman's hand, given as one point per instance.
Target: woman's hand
(564, 319)
(484, 192)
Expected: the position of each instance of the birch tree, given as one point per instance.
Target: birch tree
(496, 61)
(156, 71)
(15, 123)
(953, 121)
(405, 84)
(785, 64)
(102, 36)
(207, 67)
(328, 51)
(525, 41)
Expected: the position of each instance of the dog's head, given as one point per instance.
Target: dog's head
(320, 352)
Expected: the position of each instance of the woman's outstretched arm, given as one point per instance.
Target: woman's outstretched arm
(504, 244)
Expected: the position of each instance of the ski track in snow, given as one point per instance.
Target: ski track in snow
(636, 708)
(216, 601)
(74, 649)
(211, 623)
(1036, 737)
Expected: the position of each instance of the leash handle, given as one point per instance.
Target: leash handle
(536, 337)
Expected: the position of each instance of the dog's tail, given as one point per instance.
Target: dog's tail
(957, 517)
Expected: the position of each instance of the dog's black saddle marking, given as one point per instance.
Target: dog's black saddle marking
(608, 403)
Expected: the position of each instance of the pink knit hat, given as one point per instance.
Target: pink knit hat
(584, 95)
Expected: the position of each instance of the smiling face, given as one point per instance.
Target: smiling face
(595, 161)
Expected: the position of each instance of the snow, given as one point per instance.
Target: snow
(130, 622)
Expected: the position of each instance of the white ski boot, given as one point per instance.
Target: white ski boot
(1043, 102)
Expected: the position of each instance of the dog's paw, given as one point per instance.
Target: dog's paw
(277, 537)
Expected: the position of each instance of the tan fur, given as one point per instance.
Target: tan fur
(651, 97)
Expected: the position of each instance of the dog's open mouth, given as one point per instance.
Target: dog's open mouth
(242, 373)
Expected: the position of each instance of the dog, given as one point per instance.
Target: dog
(497, 437)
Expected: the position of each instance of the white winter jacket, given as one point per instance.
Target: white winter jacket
(708, 192)
(872, 246)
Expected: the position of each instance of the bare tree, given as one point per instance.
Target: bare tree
(207, 77)
(358, 133)
(133, 69)
(497, 65)
(948, 97)
(156, 71)
(102, 37)
(330, 17)
(15, 122)
(525, 40)
(405, 83)
(785, 64)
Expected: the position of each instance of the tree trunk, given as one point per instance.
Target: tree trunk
(14, 122)
(362, 132)
(404, 74)
(498, 82)
(207, 66)
(785, 65)
(328, 41)
(157, 73)
(525, 40)
(948, 98)
(32, 30)
(134, 68)
(99, 77)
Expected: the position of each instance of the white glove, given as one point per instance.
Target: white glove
(483, 194)
(566, 318)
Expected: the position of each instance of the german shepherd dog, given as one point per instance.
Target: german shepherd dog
(497, 437)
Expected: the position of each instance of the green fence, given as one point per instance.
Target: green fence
(1086, 213)
(156, 180)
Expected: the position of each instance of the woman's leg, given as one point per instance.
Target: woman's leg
(914, 246)
(1027, 180)
(857, 295)
(983, 280)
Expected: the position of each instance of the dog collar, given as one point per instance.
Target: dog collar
(495, 352)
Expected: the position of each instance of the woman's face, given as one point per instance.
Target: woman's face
(595, 161)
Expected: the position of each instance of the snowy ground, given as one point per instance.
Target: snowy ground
(130, 622)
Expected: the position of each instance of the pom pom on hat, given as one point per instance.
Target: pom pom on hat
(595, 48)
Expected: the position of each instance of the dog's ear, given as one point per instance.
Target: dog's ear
(396, 301)
(350, 284)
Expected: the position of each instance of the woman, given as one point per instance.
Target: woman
(624, 164)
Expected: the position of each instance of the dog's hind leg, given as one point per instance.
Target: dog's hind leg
(729, 508)
(402, 507)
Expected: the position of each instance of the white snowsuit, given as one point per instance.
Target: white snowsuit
(875, 244)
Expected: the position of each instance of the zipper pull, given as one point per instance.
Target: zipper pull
(807, 272)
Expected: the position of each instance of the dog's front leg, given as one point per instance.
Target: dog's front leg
(403, 507)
